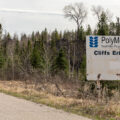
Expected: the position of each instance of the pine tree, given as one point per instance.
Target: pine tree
(54, 38)
(44, 36)
(17, 48)
(118, 26)
(2, 59)
(60, 63)
(89, 30)
(81, 34)
(103, 25)
(37, 60)
(29, 47)
(83, 68)
(1, 30)
(37, 56)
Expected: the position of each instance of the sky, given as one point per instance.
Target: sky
(25, 16)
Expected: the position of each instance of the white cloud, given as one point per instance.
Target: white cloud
(29, 11)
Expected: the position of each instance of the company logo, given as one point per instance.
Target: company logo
(93, 42)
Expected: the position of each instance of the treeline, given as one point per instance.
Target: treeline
(42, 53)
(47, 54)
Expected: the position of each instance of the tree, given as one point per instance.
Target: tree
(1, 29)
(17, 48)
(37, 55)
(76, 12)
(89, 30)
(29, 47)
(118, 26)
(36, 60)
(2, 59)
(83, 68)
(104, 17)
(54, 38)
(81, 34)
(98, 10)
(53, 46)
(61, 63)
(112, 28)
(44, 36)
(103, 25)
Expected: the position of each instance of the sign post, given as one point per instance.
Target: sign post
(99, 88)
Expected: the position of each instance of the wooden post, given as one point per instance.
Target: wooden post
(99, 89)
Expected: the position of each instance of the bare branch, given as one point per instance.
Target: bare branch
(99, 10)
(109, 15)
(76, 12)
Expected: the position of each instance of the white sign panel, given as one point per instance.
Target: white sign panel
(103, 57)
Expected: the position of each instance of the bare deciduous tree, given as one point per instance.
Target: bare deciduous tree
(98, 10)
(76, 12)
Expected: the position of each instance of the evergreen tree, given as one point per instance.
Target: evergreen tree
(81, 34)
(23, 50)
(37, 60)
(44, 36)
(89, 30)
(53, 46)
(60, 63)
(83, 68)
(33, 36)
(37, 56)
(1, 29)
(54, 38)
(118, 26)
(17, 48)
(29, 47)
(103, 25)
(2, 59)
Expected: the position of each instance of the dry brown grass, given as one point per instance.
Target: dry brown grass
(109, 111)
(19, 87)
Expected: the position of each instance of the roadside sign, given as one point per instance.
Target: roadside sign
(103, 57)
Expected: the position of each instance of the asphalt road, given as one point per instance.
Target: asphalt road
(12, 108)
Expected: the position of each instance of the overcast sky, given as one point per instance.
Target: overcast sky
(19, 16)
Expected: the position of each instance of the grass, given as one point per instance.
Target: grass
(87, 108)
